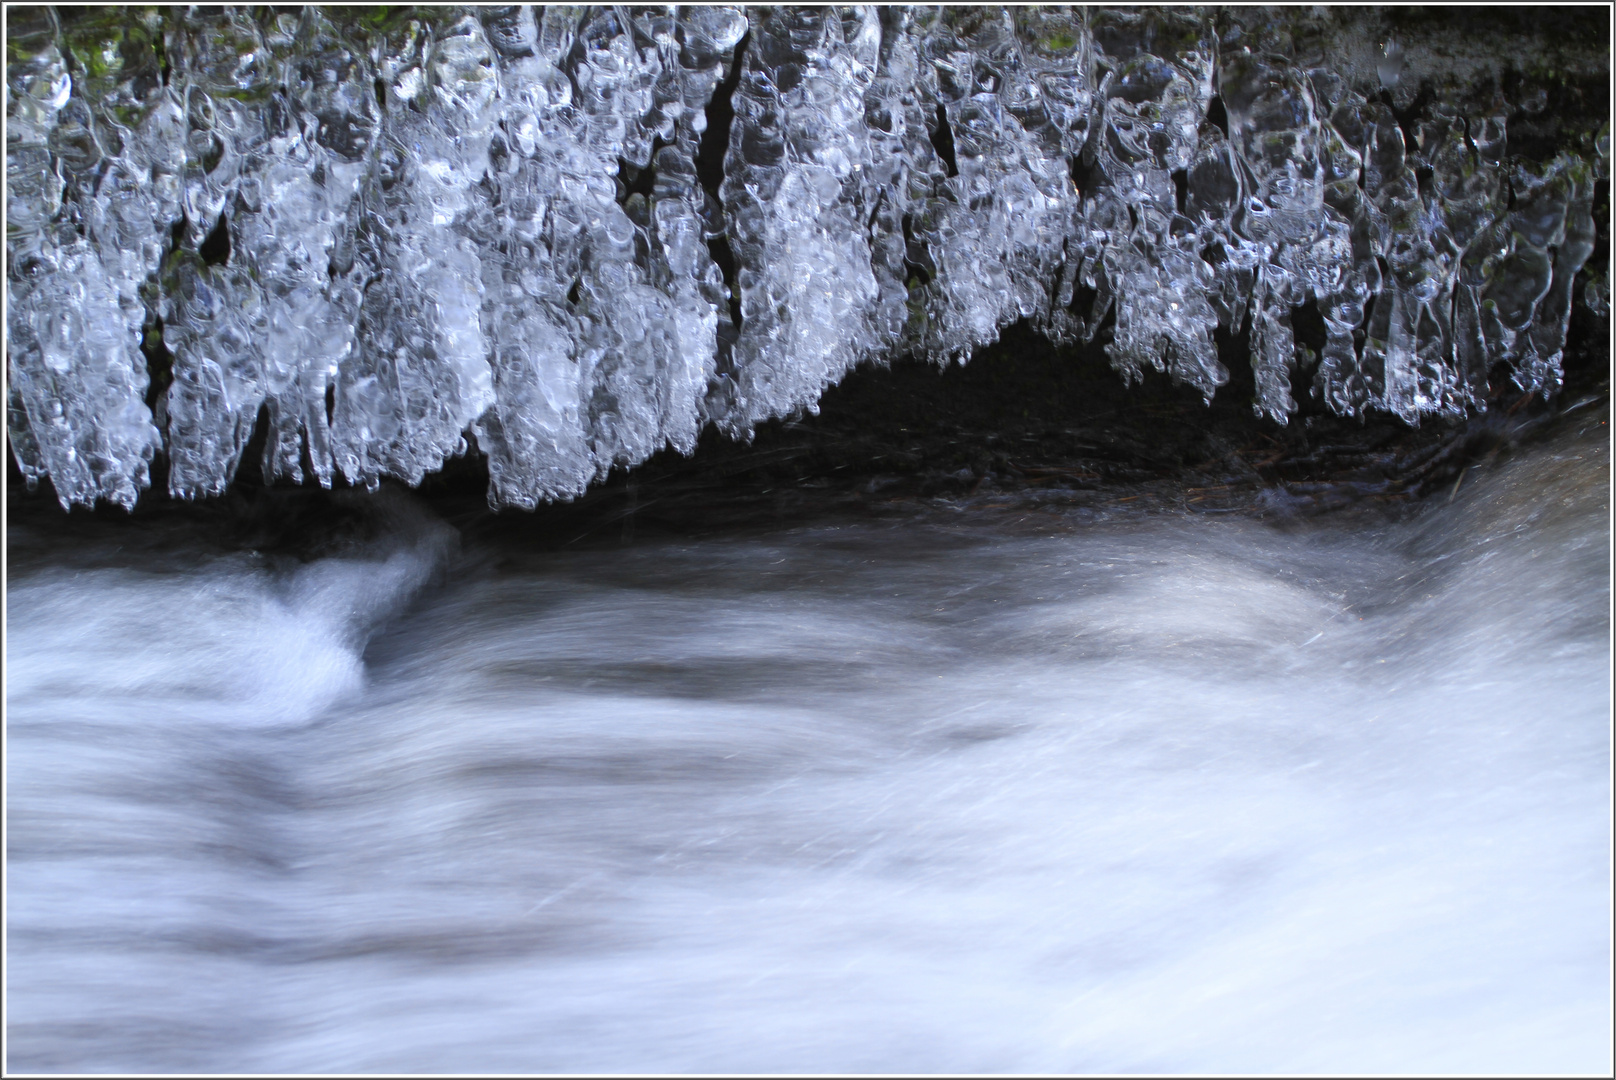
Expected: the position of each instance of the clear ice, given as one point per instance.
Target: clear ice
(387, 230)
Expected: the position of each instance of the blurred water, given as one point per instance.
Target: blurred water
(969, 792)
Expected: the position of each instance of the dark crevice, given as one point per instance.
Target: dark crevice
(250, 466)
(164, 67)
(330, 404)
(1234, 352)
(1408, 119)
(918, 266)
(1217, 114)
(710, 153)
(875, 211)
(580, 49)
(1083, 299)
(1307, 324)
(633, 180)
(1601, 208)
(1500, 380)
(1181, 185)
(573, 294)
(1086, 175)
(159, 364)
(213, 155)
(381, 94)
(724, 256)
(636, 33)
(342, 256)
(942, 139)
(215, 250)
(720, 115)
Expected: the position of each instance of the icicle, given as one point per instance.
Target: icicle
(386, 231)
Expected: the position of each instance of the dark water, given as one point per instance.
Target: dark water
(981, 791)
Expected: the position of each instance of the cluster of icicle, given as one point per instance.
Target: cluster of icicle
(491, 220)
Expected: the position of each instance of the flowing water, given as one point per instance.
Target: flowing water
(957, 790)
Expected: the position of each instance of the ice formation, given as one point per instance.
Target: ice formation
(386, 229)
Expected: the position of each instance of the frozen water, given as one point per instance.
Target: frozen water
(390, 232)
(957, 792)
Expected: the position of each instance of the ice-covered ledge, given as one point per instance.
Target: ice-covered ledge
(384, 228)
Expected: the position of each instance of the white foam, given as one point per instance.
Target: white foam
(1165, 795)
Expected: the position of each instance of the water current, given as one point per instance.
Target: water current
(947, 789)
